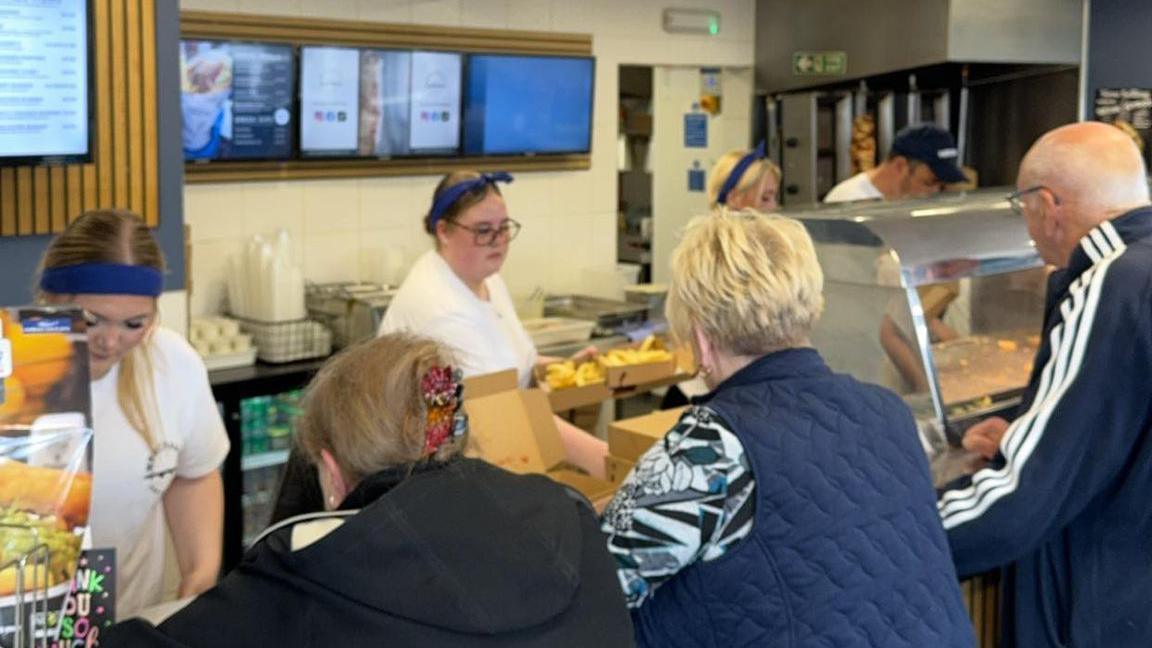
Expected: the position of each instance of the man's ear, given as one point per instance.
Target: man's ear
(1055, 219)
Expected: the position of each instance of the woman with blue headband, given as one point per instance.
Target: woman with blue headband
(740, 179)
(159, 440)
(743, 179)
(454, 293)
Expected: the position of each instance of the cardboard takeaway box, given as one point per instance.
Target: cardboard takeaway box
(621, 382)
(617, 469)
(630, 438)
(514, 429)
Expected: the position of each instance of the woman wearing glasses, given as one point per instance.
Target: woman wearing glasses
(454, 292)
(454, 295)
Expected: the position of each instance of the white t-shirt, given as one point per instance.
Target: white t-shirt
(858, 187)
(487, 335)
(129, 478)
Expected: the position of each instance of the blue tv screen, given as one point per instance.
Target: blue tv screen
(525, 105)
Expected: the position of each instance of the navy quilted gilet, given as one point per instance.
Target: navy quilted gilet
(846, 549)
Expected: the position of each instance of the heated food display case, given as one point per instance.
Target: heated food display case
(940, 300)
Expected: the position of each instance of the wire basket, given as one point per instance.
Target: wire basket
(23, 624)
(288, 341)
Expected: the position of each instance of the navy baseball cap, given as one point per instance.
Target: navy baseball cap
(933, 146)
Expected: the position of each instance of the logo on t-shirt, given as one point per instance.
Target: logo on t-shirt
(161, 467)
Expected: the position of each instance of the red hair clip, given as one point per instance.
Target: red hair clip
(442, 389)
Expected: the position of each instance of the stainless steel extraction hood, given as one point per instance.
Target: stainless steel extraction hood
(884, 36)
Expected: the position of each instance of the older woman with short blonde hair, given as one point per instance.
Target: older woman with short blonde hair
(790, 505)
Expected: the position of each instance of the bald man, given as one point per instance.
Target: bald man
(1065, 504)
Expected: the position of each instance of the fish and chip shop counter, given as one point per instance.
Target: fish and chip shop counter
(942, 301)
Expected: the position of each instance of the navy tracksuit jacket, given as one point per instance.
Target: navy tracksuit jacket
(1067, 506)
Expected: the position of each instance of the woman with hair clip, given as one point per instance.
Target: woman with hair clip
(418, 545)
(159, 440)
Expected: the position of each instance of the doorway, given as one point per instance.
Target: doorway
(634, 172)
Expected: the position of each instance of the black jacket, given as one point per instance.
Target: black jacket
(460, 554)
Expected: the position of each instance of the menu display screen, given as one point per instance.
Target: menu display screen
(236, 100)
(401, 103)
(44, 81)
(528, 105)
(329, 100)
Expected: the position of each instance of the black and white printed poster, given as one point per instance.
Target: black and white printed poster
(1130, 110)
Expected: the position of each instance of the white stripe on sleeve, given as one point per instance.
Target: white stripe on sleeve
(1068, 341)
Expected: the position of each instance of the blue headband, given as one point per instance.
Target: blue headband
(733, 178)
(102, 279)
(449, 196)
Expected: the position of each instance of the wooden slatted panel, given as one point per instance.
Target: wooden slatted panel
(123, 173)
(91, 190)
(982, 598)
(75, 193)
(8, 201)
(105, 164)
(135, 116)
(205, 24)
(25, 222)
(150, 208)
(120, 72)
(41, 214)
(58, 198)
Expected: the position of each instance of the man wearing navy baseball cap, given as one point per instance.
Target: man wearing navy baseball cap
(922, 160)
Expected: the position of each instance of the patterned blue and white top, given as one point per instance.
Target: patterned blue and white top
(689, 498)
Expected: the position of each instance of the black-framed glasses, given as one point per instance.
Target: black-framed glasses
(486, 236)
(1016, 202)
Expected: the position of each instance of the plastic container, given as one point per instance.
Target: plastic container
(548, 331)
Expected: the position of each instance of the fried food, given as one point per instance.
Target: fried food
(563, 375)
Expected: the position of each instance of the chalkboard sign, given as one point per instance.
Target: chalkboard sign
(91, 604)
(1130, 110)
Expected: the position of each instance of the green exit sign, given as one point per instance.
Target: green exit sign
(819, 63)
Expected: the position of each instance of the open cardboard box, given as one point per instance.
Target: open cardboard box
(628, 439)
(617, 469)
(570, 398)
(621, 382)
(515, 429)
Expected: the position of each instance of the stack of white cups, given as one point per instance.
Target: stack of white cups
(216, 336)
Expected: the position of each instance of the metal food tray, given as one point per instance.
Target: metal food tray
(610, 316)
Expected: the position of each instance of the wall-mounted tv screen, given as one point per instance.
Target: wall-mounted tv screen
(329, 100)
(236, 100)
(45, 97)
(528, 105)
(379, 103)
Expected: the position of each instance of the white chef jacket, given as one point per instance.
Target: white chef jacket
(486, 335)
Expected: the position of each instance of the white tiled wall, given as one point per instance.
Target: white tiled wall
(369, 229)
